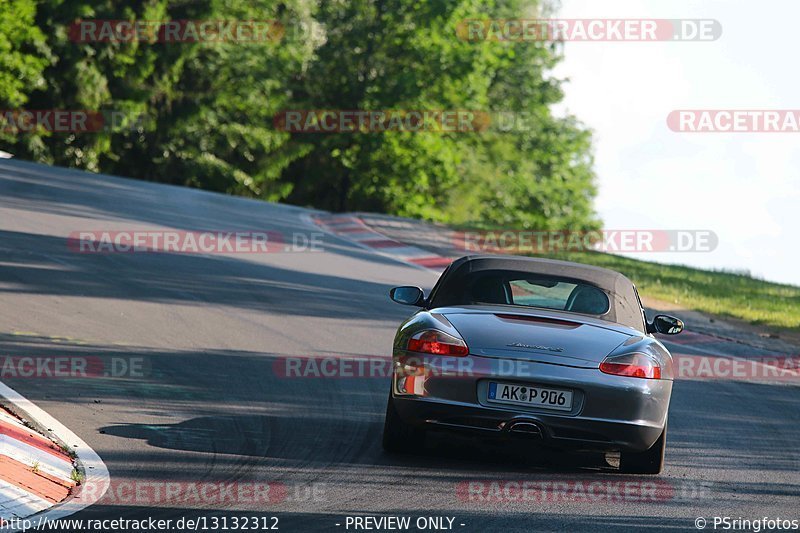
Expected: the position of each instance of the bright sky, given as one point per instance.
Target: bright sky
(743, 186)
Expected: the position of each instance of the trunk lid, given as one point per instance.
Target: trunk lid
(544, 338)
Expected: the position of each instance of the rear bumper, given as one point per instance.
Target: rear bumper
(609, 412)
(555, 431)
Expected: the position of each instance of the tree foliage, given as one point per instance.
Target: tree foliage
(209, 106)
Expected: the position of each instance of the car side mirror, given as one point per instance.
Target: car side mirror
(666, 325)
(408, 296)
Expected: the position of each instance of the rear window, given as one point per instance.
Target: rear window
(506, 288)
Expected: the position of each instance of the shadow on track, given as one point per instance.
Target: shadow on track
(38, 264)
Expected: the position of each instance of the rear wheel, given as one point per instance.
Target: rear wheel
(399, 436)
(647, 462)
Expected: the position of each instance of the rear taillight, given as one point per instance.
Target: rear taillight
(437, 342)
(634, 365)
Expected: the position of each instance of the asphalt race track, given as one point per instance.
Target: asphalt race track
(208, 404)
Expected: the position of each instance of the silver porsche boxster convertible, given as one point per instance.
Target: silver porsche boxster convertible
(554, 351)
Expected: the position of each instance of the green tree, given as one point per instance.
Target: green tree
(401, 54)
(23, 54)
(23, 57)
(212, 121)
(209, 106)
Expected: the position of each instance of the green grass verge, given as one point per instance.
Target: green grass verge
(719, 293)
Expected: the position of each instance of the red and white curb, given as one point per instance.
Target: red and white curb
(37, 477)
(34, 473)
(354, 229)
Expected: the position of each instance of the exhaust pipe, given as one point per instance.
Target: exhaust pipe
(527, 429)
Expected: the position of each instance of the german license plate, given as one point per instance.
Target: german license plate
(557, 399)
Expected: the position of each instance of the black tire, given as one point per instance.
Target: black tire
(647, 462)
(399, 437)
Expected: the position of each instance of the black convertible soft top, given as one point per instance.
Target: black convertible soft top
(624, 308)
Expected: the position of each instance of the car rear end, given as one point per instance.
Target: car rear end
(573, 382)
